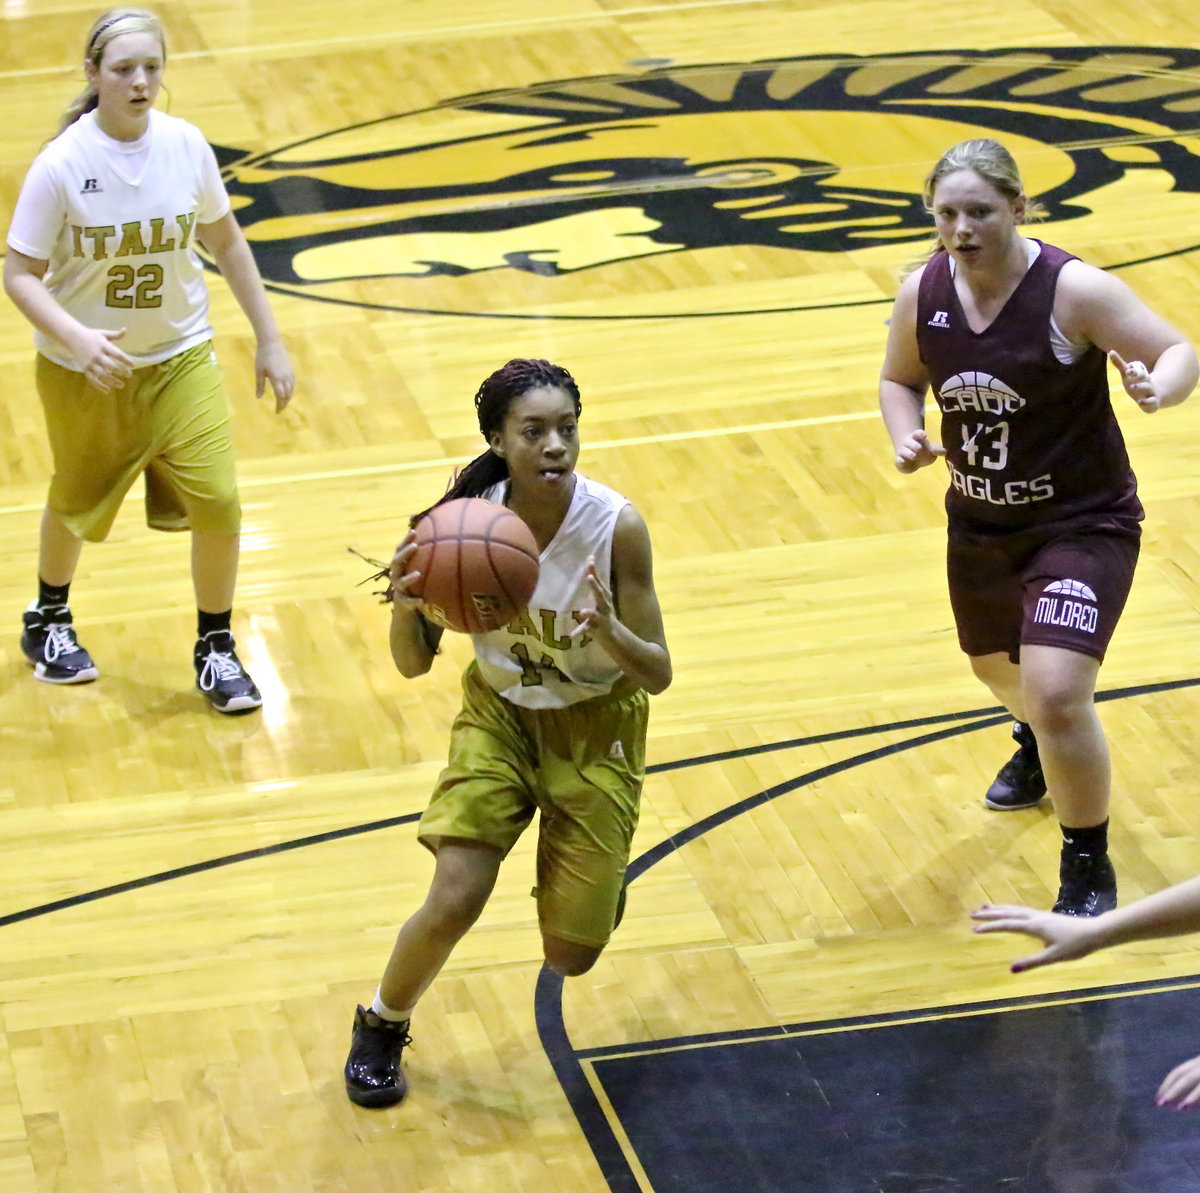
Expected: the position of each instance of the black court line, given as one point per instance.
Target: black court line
(567, 1063)
(356, 830)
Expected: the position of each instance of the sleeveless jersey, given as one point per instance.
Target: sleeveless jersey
(119, 235)
(532, 662)
(1028, 438)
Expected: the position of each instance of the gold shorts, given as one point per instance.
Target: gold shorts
(582, 767)
(169, 421)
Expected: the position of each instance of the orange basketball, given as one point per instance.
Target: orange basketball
(478, 563)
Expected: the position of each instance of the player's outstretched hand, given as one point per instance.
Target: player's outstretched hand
(1181, 1086)
(916, 451)
(1065, 937)
(1138, 382)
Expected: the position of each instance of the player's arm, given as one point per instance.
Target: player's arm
(94, 351)
(1172, 912)
(903, 383)
(413, 639)
(628, 621)
(1157, 364)
(225, 241)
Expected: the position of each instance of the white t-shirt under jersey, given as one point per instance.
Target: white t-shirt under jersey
(532, 662)
(117, 220)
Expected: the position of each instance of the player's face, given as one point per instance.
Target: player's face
(976, 222)
(540, 441)
(128, 77)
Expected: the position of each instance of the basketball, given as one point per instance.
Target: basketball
(478, 563)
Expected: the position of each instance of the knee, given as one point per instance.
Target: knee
(451, 913)
(569, 960)
(1057, 710)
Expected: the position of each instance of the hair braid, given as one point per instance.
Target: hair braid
(493, 401)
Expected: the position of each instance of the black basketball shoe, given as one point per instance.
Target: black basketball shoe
(48, 641)
(373, 1074)
(1020, 783)
(1087, 884)
(221, 676)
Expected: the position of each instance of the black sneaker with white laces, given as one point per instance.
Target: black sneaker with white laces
(221, 676)
(1088, 884)
(48, 641)
(373, 1074)
(1020, 783)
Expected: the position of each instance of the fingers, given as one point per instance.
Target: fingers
(282, 386)
(1138, 383)
(1181, 1086)
(109, 369)
(916, 451)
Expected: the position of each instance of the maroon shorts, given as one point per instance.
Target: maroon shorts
(1063, 584)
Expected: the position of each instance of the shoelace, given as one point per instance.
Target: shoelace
(60, 640)
(218, 665)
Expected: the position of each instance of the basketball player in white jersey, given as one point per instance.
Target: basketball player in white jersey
(102, 262)
(553, 719)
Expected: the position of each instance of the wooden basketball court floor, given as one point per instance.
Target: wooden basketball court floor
(700, 208)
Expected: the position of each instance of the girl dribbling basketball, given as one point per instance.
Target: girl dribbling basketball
(553, 719)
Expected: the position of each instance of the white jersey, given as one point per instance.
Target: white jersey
(117, 221)
(532, 662)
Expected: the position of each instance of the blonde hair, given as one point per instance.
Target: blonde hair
(994, 164)
(108, 25)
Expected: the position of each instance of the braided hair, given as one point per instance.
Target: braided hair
(492, 404)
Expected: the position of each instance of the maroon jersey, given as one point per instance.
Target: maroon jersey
(1028, 439)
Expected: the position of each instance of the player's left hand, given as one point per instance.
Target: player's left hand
(597, 621)
(272, 363)
(1138, 382)
(1181, 1086)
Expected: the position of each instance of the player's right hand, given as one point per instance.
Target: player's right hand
(915, 451)
(100, 360)
(1065, 937)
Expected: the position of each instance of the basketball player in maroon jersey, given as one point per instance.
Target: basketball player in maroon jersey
(1014, 337)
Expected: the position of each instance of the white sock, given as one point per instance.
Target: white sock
(385, 1012)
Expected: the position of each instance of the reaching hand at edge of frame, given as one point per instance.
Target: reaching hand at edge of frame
(272, 363)
(1065, 937)
(1138, 382)
(1180, 1088)
(916, 451)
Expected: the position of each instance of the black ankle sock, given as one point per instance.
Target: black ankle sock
(210, 623)
(1092, 840)
(51, 596)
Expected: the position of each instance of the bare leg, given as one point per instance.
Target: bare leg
(1003, 679)
(1059, 694)
(214, 570)
(58, 551)
(462, 882)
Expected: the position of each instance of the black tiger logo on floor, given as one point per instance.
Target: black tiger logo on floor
(601, 197)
